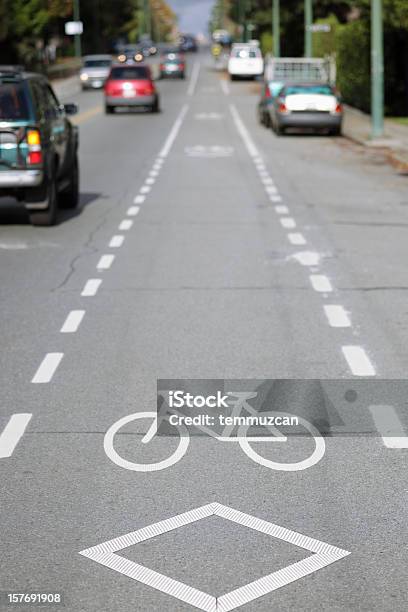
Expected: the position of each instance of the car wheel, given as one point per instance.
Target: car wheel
(109, 109)
(70, 196)
(279, 130)
(335, 131)
(155, 107)
(49, 215)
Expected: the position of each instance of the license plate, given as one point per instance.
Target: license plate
(129, 93)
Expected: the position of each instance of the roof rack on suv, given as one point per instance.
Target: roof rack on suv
(11, 72)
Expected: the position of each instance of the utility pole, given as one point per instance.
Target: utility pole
(77, 37)
(147, 18)
(308, 26)
(377, 70)
(276, 27)
(241, 19)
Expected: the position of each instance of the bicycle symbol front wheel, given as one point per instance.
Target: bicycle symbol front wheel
(317, 454)
(143, 467)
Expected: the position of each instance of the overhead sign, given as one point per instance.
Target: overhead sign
(319, 27)
(74, 27)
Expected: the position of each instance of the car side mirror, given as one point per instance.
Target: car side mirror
(70, 109)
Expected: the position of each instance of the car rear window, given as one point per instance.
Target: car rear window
(13, 102)
(245, 53)
(324, 90)
(129, 73)
(97, 63)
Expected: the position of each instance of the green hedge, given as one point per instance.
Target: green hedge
(353, 63)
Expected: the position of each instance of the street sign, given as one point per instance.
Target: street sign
(74, 27)
(319, 27)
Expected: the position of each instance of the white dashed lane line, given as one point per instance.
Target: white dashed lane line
(125, 225)
(116, 241)
(282, 210)
(288, 222)
(91, 287)
(11, 434)
(47, 368)
(72, 322)
(139, 199)
(389, 426)
(358, 361)
(337, 316)
(321, 283)
(145, 189)
(296, 239)
(105, 262)
(133, 211)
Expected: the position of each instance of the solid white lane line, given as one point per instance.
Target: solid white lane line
(173, 133)
(194, 78)
(296, 238)
(125, 225)
(337, 316)
(244, 133)
(133, 211)
(225, 87)
(72, 322)
(282, 210)
(139, 199)
(47, 368)
(389, 426)
(321, 283)
(145, 189)
(150, 181)
(12, 433)
(358, 361)
(105, 262)
(116, 242)
(288, 222)
(91, 287)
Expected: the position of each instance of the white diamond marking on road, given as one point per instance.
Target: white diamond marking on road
(323, 555)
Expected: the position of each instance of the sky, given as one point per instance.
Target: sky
(193, 15)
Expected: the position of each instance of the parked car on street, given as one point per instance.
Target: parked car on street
(307, 105)
(38, 146)
(94, 71)
(130, 86)
(245, 61)
(172, 64)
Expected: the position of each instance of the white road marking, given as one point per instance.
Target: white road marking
(91, 287)
(321, 283)
(225, 87)
(244, 133)
(150, 181)
(297, 239)
(116, 241)
(194, 79)
(271, 189)
(173, 133)
(145, 189)
(12, 433)
(288, 222)
(389, 426)
(105, 262)
(337, 316)
(72, 322)
(322, 555)
(282, 210)
(159, 162)
(154, 173)
(275, 198)
(358, 361)
(47, 368)
(307, 258)
(139, 199)
(125, 225)
(133, 211)
(267, 181)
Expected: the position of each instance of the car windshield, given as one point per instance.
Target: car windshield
(100, 63)
(322, 90)
(13, 102)
(129, 73)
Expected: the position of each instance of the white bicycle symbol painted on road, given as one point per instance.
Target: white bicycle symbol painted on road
(241, 405)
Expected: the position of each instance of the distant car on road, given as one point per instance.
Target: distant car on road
(130, 86)
(172, 64)
(307, 105)
(38, 146)
(147, 47)
(245, 61)
(94, 71)
(188, 43)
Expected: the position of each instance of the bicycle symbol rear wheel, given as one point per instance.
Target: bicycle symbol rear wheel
(317, 454)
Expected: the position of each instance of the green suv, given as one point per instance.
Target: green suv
(38, 146)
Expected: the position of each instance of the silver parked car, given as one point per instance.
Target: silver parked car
(95, 70)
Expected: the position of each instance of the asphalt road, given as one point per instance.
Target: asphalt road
(204, 247)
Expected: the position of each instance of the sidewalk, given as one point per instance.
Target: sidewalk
(357, 127)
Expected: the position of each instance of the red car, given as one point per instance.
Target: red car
(130, 86)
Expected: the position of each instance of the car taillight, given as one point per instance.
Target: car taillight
(34, 156)
(268, 93)
(181, 66)
(283, 108)
(339, 108)
(162, 66)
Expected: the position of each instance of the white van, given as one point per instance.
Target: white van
(245, 61)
